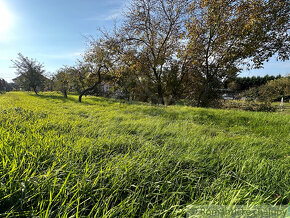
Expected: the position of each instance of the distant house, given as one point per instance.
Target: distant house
(110, 90)
(106, 87)
(227, 94)
(228, 97)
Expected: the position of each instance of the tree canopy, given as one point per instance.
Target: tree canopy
(30, 73)
(188, 49)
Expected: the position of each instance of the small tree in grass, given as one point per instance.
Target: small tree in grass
(30, 73)
(62, 81)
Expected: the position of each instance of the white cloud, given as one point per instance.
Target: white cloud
(114, 14)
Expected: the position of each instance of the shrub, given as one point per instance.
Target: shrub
(248, 106)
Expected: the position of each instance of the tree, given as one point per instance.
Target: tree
(99, 58)
(152, 31)
(225, 35)
(62, 81)
(30, 73)
(275, 89)
(78, 76)
(5, 86)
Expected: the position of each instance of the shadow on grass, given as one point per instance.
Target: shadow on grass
(87, 100)
(59, 98)
(90, 99)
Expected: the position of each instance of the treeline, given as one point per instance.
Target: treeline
(164, 51)
(240, 84)
(70, 79)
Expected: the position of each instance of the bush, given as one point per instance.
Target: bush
(273, 90)
(266, 108)
(248, 106)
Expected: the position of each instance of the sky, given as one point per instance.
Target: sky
(54, 32)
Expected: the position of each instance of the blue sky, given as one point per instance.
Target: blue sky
(53, 32)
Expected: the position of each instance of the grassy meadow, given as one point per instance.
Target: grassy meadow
(108, 158)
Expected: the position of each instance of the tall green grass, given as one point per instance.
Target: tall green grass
(107, 158)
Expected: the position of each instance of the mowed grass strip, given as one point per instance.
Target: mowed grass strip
(107, 158)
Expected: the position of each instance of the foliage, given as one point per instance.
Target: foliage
(245, 83)
(165, 51)
(251, 94)
(152, 30)
(30, 73)
(5, 86)
(106, 158)
(99, 61)
(62, 80)
(248, 106)
(224, 36)
(273, 90)
(78, 77)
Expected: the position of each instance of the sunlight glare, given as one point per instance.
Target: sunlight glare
(5, 19)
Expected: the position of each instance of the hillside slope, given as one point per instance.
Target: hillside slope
(107, 158)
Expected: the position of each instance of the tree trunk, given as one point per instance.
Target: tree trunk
(35, 90)
(93, 87)
(159, 86)
(65, 94)
(160, 93)
(87, 90)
